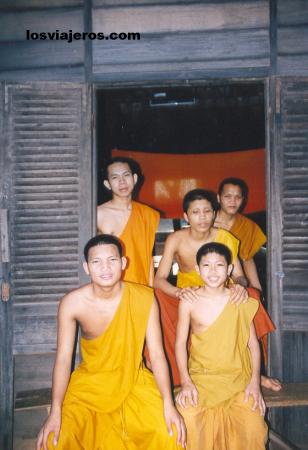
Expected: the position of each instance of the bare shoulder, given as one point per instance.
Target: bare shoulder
(179, 235)
(185, 308)
(103, 208)
(74, 300)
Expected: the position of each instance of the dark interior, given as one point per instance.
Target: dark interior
(217, 117)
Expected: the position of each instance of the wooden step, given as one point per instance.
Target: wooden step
(291, 394)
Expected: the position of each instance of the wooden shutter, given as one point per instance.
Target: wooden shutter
(48, 129)
(291, 153)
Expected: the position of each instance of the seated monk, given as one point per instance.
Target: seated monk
(220, 396)
(199, 211)
(111, 401)
(232, 197)
(132, 222)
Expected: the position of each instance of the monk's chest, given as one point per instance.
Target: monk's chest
(115, 222)
(94, 323)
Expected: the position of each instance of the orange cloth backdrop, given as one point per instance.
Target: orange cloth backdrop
(169, 176)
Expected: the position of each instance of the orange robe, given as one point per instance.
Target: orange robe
(138, 239)
(112, 401)
(249, 234)
(251, 239)
(220, 367)
(169, 306)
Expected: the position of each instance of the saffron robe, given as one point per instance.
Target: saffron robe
(138, 239)
(112, 401)
(220, 367)
(251, 239)
(250, 235)
(169, 306)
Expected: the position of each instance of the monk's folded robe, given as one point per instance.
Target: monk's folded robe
(169, 305)
(112, 401)
(138, 239)
(249, 234)
(220, 367)
(251, 239)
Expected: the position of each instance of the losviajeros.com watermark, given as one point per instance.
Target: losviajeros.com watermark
(70, 36)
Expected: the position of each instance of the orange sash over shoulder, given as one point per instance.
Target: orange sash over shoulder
(112, 401)
(250, 236)
(220, 367)
(138, 239)
(169, 307)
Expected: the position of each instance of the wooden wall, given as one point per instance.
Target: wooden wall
(24, 60)
(181, 41)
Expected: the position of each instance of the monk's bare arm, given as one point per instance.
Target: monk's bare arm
(254, 348)
(188, 395)
(252, 273)
(253, 387)
(238, 274)
(182, 331)
(163, 271)
(62, 368)
(65, 346)
(161, 373)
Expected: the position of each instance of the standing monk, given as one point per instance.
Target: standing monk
(133, 223)
(199, 211)
(232, 195)
(111, 401)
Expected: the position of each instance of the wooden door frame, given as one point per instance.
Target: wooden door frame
(6, 305)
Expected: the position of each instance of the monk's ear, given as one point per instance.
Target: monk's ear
(135, 178)
(107, 184)
(186, 217)
(124, 262)
(86, 268)
(197, 269)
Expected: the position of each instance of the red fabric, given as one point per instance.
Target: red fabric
(169, 316)
(169, 176)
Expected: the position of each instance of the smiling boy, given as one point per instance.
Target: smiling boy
(220, 397)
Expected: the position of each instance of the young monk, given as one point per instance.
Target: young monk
(111, 401)
(232, 195)
(199, 211)
(133, 223)
(220, 397)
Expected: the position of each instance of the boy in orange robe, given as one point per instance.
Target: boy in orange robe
(232, 197)
(111, 401)
(132, 222)
(220, 397)
(199, 211)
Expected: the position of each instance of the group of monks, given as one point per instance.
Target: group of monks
(134, 338)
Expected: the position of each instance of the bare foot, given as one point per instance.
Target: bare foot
(271, 383)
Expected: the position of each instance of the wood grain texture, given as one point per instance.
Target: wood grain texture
(292, 37)
(292, 394)
(156, 19)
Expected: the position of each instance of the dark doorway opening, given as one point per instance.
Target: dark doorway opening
(223, 118)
